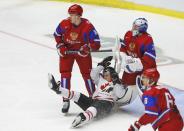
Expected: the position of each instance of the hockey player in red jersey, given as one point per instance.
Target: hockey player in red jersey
(138, 54)
(160, 108)
(76, 34)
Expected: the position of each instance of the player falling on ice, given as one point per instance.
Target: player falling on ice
(76, 34)
(108, 91)
(138, 53)
(160, 108)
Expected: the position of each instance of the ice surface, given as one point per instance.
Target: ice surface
(27, 54)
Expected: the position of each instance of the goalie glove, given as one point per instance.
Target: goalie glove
(135, 127)
(132, 65)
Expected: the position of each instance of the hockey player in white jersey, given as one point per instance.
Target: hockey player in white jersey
(109, 90)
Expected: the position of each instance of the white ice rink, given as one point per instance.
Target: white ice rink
(27, 54)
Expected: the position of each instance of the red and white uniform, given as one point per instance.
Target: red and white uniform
(160, 110)
(105, 90)
(73, 38)
(140, 46)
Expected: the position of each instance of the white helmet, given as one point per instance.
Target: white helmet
(140, 25)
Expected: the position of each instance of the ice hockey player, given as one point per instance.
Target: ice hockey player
(78, 34)
(160, 108)
(138, 54)
(109, 89)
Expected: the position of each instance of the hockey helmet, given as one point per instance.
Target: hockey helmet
(75, 9)
(109, 70)
(140, 25)
(152, 74)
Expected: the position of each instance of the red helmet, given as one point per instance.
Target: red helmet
(75, 9)
(152, 73)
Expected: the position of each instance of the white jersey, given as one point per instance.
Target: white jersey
(105, 90)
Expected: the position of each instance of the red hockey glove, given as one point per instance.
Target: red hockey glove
(84, 50)
(135, 127)
(61, 49)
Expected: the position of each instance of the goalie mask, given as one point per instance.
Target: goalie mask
(140, 25)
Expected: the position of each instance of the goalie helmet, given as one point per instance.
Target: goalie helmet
(140, 25)
(75, 9)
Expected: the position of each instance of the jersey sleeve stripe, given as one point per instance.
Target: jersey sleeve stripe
(151, 112)
(56, 34)
(150, 55)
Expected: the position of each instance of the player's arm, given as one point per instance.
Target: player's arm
(150, 114)
(91, 39)
(96, 72)
(149, 57)
(59, 33)
(125, 40)
(94, 39)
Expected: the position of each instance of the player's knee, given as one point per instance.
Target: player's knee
(86, 75)
(66, 74)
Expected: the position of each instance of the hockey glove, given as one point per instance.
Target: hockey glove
(62, 49)
(135, 127)
(106, 61)
(84, 50)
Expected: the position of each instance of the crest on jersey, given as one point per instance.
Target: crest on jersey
(74, 35)
(132, 46)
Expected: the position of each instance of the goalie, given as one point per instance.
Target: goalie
(109, 90)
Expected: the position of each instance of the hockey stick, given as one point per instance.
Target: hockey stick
(116, 55)
(77, 51)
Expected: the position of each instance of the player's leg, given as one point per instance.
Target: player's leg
(66, 64)
(99, 108)
(85, 66)
(80, 99)
(176, 124)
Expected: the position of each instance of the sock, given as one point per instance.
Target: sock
(90, 113)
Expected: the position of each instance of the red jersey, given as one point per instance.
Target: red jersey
(140, 46)
(159, 106)
(73, 37)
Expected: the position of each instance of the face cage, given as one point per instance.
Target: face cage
(149, 81)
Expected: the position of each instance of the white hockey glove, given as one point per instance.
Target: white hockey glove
(132, 65)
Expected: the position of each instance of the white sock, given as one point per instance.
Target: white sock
(71, 95)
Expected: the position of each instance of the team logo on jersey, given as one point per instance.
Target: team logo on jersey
(132, 46)
(74, 36)
(104, 86)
